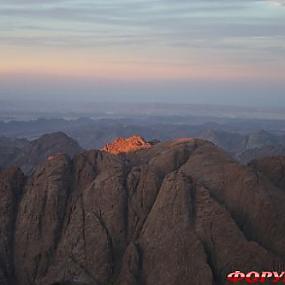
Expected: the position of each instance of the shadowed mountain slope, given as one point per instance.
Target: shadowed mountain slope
(29, 154)
(273, 168)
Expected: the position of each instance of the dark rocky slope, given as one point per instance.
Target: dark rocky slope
(29, 154)
(180, 212)
(273, 168)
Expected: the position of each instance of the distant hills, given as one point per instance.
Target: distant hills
(244, 140)
(29, 154)
(247, 147)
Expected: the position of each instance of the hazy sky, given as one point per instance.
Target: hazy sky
(196, 51)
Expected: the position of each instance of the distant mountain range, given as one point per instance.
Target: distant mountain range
(247, 147)
(244, 141)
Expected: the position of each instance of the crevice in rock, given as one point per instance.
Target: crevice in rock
(18, 197)
(238, 223)
(85, 270)
(109, 238)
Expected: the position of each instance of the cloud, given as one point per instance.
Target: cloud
(180, 31)
(278, 2)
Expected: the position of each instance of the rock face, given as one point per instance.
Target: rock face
(180, 212)
(122, 145)
(11, 187)
(273, 168)
(29, 154)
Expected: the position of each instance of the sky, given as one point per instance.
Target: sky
(188, 51)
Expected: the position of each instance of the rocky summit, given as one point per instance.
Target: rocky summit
(123, 145)
(177, 213)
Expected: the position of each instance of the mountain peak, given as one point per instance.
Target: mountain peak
(130, 144)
